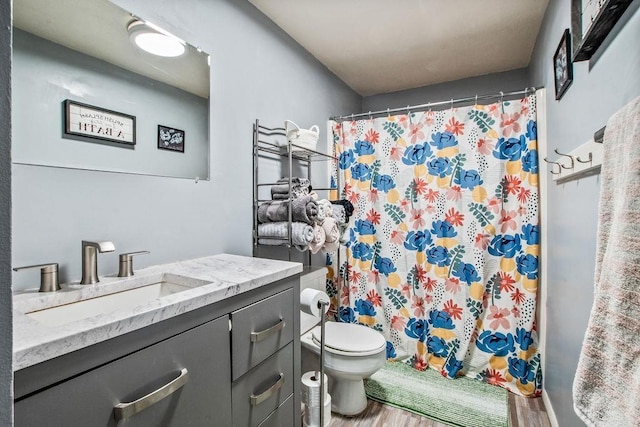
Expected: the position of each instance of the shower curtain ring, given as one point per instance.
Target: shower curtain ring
(555, 150)
(452, 103)
(370, 118)
(408, 112)
(554, 163)
(388, 113)
(476, 103)
(351, 116)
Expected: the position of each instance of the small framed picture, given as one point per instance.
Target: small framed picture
(171, 139)
(562, 65)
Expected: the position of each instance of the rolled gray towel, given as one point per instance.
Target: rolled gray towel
(301, 234)
(304, 209)
(299, 187)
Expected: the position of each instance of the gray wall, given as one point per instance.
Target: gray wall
(256, 72)
(600, 87)
(45, 74)
(482, 85)
(6, 375)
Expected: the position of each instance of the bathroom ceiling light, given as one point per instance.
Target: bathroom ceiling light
(154, 40)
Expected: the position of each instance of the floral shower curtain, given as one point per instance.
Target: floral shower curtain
(443, 250)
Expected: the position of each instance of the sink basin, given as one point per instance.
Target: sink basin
(139, 292)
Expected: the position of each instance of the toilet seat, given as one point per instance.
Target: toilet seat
(350, 339)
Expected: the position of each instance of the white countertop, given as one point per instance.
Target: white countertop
(226, 275)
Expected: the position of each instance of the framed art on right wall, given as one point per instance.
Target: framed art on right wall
(562, 65)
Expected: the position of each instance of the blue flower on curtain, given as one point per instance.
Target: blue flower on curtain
(440, 166)
(417, 240)
(362, 251)
(521, 370)
(415, 329)
(361, 172)
(364, 148)
(527, 265)
(509, 149)
(468, 179)
(440, 319)
(466, 273)
(384, 183)
(442, 229)
(505, 245)
(496, 343)
(530, 162)
(453, 367)
(523, 338)
(365, 307)
(347, 315)
(437, 346)
(532, 130)
(346, 159)
(416, 154)
(531, 234)
(439, 255)
(384, 266)
(443, 140)
(364, 227)
(391, 351)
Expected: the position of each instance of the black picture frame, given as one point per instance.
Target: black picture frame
(170, 139)
(562, 65)
(89, 123)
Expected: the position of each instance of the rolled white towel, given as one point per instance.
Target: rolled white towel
(319, 236)
(301, 234)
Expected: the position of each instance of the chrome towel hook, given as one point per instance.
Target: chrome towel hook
(589, 159)
(554, 163)
(555, 150)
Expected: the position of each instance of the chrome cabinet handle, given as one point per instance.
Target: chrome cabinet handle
(258, 399)
(259, 336)
(122, 411)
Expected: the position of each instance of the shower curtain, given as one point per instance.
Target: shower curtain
(442, 252)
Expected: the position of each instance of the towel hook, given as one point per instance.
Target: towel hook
(554, 163)
(589, 159)
(555, 150)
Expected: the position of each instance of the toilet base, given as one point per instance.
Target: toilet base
(347, 396)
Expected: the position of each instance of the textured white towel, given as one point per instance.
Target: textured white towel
(301, 234)
(606, 389)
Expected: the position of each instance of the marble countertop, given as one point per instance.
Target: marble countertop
(207, 280)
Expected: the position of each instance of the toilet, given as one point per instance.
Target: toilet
(352, 353)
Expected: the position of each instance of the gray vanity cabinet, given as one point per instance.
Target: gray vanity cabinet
(200, 354)
(241, 357)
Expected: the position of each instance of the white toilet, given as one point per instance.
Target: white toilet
(352, 352)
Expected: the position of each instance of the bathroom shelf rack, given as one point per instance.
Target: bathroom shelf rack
(271, 142)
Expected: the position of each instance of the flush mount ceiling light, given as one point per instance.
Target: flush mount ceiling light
(154, 40)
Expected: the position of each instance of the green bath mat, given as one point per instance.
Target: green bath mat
(460, 402)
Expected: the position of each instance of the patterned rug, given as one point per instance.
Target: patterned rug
(461, 402)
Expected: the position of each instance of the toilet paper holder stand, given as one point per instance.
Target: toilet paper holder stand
(323, 305)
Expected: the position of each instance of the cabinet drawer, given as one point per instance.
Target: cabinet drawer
(89, 399)
(259, 330)
(283, 416)
(263, 389)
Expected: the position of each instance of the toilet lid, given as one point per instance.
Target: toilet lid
(350, 337)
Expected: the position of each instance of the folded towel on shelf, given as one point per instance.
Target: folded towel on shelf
(299, 187)
(271, 233)
(348, 207)
(339, 214)
(607, 381)
(303, 209)
(332, 235)
(319, 236)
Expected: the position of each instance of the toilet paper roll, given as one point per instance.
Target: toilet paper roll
(312, 414)
(311, 389)
(310, 301)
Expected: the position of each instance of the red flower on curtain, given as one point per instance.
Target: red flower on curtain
(498, 317)
(524, 195)
(420, 185)
(373, 216)
(518, 297)
(431, 195)
(374, 298)
(372, 136)
(415, 132)
(430, 285)
(398, 323)
(454, 310)
(509, 123)
(505, 282)
(454, 217)
(417, 306)
(455, 127)
(513, 184)
(485, 146)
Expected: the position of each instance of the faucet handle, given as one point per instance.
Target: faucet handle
(48, 276)
(126, 263)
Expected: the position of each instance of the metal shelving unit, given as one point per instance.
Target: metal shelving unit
(265, 142)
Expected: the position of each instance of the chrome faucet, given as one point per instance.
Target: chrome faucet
(90, 260)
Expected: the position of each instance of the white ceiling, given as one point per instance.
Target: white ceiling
(98, 28)
(379, 46)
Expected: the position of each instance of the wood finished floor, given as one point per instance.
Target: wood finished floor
(523, 412)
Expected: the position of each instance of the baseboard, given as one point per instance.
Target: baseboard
(549, 408)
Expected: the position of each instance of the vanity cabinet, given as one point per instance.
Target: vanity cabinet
(240, 357)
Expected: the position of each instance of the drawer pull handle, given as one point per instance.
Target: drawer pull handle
(259, 336)
(126, 410)
(258, 399)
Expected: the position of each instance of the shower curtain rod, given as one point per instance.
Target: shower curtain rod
(452, 101)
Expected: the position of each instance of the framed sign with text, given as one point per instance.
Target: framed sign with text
(84, 121)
